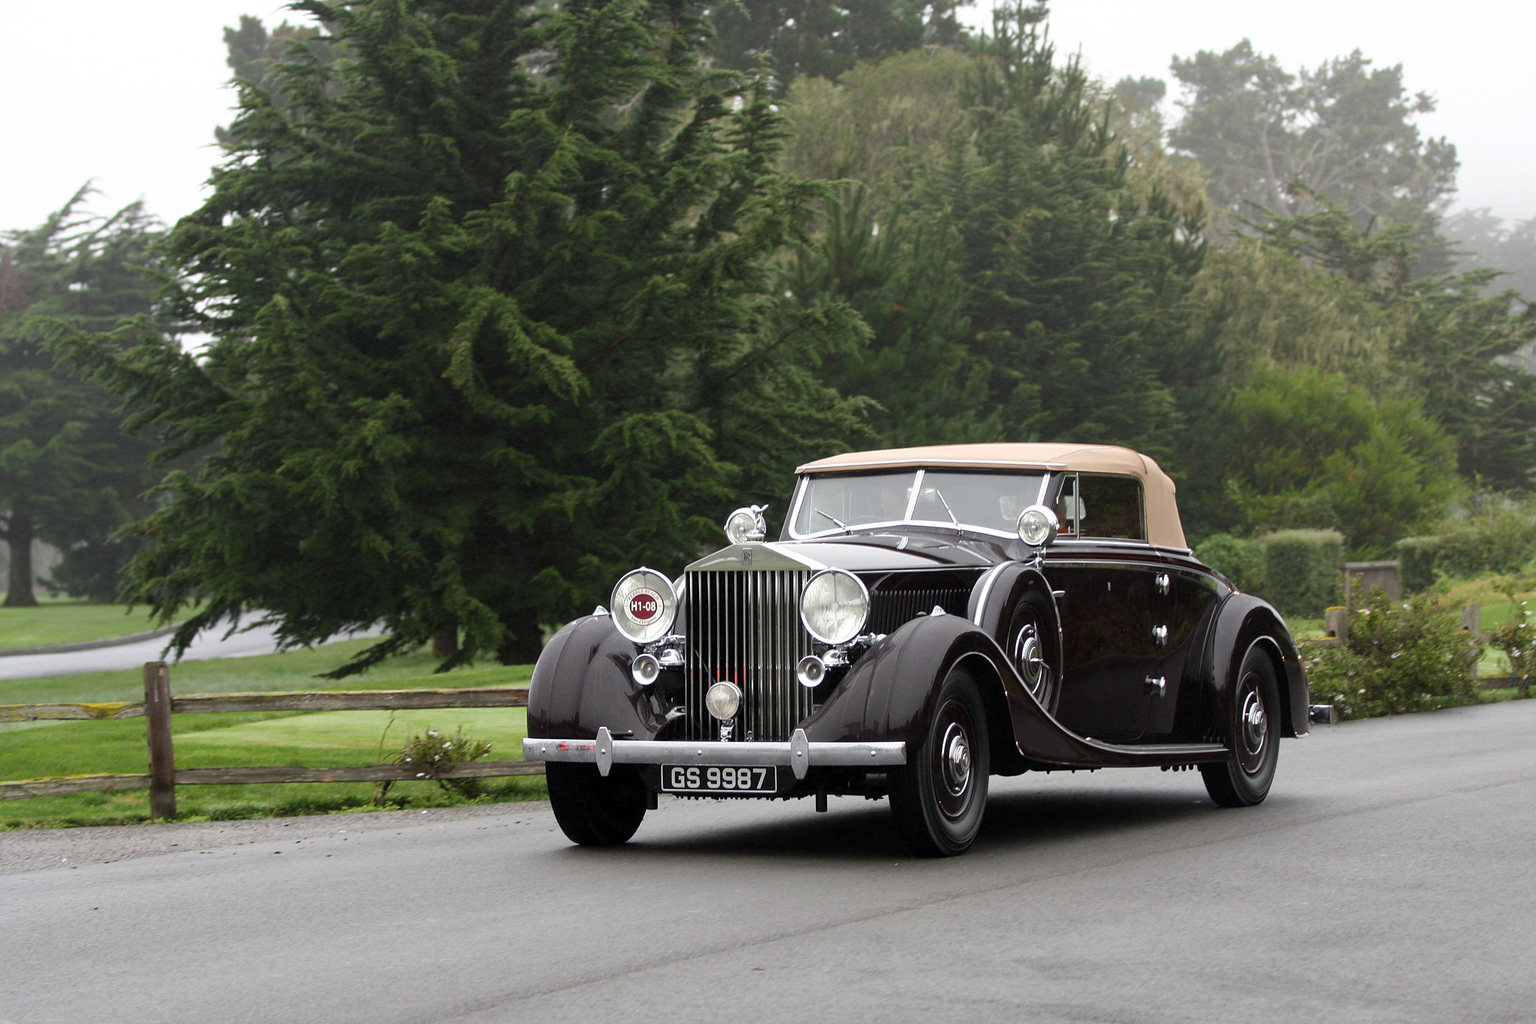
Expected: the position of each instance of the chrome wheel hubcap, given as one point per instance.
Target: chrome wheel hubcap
(1029, 658)
(957, 759)
(953, 762)
(1253, 723)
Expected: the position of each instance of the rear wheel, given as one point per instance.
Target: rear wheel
(1244, 778)
(594, 810)
(939, 796)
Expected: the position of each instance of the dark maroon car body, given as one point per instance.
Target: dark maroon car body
(978, 655)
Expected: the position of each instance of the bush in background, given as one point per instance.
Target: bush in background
(1497, 536)
(1239, 560)
(1400, 657)
(1516, 637)
(1301, 570)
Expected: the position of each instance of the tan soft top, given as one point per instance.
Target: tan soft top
(1163, 526)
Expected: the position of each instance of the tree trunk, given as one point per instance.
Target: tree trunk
(520, 646)
(18, 535)
(445, 642)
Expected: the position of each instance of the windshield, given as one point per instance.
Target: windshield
(990, 500)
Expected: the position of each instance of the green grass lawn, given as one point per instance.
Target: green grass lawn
(310, 739)
(68, 622)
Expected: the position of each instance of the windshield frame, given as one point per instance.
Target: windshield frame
(797, 522)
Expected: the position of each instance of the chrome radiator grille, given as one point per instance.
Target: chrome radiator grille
(744, 626)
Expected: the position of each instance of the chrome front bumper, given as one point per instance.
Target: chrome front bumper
(799, 754)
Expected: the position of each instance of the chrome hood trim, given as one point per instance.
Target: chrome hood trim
(754, 555)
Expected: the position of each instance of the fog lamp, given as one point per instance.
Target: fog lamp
(645, 669)
(723, 700)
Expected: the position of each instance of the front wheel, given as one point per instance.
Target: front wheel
(938, 797)
(594, 810)
(1244, 778)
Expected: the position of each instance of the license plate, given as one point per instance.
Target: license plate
(711, 778)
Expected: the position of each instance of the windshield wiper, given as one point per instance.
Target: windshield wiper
(940, 495)
(827, 515)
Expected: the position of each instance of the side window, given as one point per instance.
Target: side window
(1101, 506)
(1068, 507)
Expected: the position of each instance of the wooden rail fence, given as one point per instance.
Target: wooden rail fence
(163, 776)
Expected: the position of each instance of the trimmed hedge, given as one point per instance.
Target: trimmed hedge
(1301, 570)
(1417, 556)
(1501, 545)
(1238, 559)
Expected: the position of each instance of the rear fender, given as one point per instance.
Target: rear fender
(1243, 621)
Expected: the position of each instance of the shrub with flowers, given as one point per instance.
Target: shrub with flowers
(1401, 656)
(1517, 639)
(433, 754)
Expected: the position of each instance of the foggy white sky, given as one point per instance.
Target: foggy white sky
(129, 94)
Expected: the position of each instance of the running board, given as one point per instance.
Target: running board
(1045, 741)
(1167, 755)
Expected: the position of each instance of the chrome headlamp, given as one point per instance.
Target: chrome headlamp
(1038, 526)
(644, 605)
(834, 606)
(746, 524)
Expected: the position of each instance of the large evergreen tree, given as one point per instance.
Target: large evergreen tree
(915, 364)
(824, 38)
(1078, 280)
(68, 475)
(491, 318)
(1345, 130)
(1452, 346)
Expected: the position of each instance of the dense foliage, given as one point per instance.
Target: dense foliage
(1493, 535)
(505, 297)
(824, 38)
(490, 315)
(1344, 130)
(68, 476)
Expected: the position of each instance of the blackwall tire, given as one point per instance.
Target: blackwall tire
(593, 810)
(1243, 780)
(939, 796)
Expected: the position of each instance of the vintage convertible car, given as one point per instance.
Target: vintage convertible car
(929, 617)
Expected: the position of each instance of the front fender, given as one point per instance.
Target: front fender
(581, 682)
(889, 693)
(998, 593)
(1241, 621)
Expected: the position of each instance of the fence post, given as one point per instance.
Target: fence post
(1336, 623)
(157, 719)
(1472, 625)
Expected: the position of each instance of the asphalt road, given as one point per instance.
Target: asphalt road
(1391, 876)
